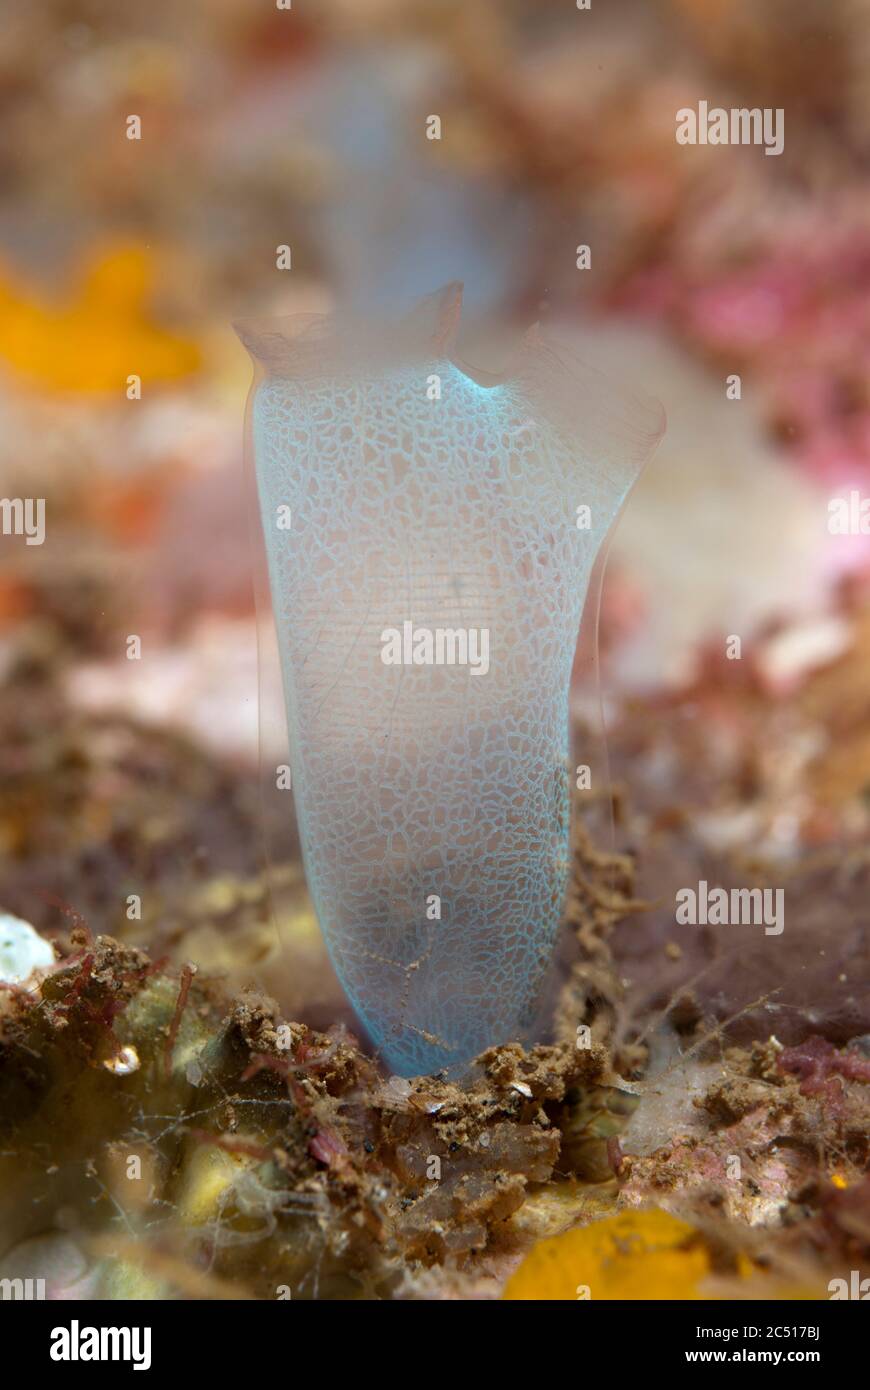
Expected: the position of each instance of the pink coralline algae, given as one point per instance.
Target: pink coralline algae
(817, 1062)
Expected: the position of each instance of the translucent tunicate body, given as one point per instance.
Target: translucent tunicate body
(429, 553)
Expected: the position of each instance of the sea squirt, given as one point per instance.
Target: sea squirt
(432, 544)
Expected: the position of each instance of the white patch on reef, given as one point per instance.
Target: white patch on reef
(717, 500)
(54, 1261)
(667, 1111)
(22, 950)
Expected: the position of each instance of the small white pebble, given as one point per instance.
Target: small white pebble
(22, 950)
(522, 1089)
(126, 1061)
